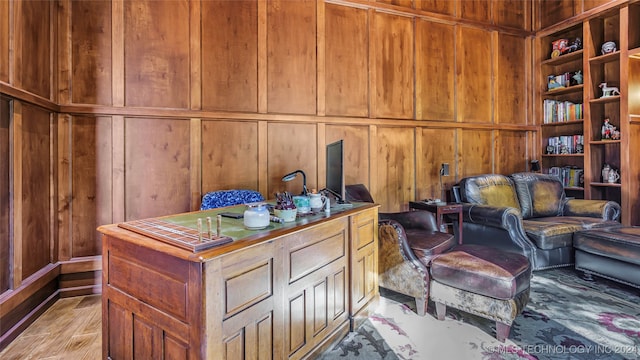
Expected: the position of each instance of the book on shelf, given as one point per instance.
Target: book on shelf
(570, 176)
(561, 111)
(566, 144)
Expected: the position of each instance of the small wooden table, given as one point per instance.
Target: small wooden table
(440, 211)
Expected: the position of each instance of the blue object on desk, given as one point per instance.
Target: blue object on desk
(222, 198)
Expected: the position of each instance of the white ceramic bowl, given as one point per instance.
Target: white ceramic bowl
(288, 215)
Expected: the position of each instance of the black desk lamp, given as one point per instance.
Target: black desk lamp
(535, 165)
(444, 171)
(292, 175)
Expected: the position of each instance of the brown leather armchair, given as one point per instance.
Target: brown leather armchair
(408, 241)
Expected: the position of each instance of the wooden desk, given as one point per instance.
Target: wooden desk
(440, 211)
(285, 292)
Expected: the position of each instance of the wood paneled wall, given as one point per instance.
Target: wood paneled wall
(276, 76)
(131, 109)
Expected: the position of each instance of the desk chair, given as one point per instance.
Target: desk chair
(222, 198)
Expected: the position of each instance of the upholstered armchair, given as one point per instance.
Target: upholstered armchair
(529, 213)
(408, 241)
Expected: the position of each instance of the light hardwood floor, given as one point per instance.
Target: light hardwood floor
(71, 329)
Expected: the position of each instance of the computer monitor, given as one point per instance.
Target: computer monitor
(335, 171)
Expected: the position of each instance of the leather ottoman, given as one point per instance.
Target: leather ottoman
(612, 253)
(484, 281)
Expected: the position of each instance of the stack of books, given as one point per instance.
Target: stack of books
(569, 175)
(566, 144)
(561, 111)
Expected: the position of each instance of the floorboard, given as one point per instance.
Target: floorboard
(70, 329)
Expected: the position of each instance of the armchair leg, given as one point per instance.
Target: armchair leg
(421, 306)
(441, 311)
(502, 331)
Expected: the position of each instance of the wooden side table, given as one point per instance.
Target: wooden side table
(440, 211)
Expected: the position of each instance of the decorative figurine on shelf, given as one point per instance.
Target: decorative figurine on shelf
(576, 45)
(551, 150)
(577, 78)
(609, 132)
(608, 90)
(605, 172)
(579, 149)
(561, 46)
(564, 149)
(558, 46)
(608, 47)
(605, 133)
(613, 176)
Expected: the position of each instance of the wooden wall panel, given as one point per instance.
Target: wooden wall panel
(290, 147)
(36, 192)
(5, 240)
(437, 6)
(4, 41)
(356, 153)
(435, 75)
(347, 60)
(436, 146)
(157, 167)
(401, 3)
(584, 5)
(156, 49)
(478, 10)
(512, 13)
(230, 55)
(554, 11)
(474, 81)
(511, 152)
(511, 81)
(475, 150)
(229, 155)
(90, 159)
(33, 46)
(394, 90)
(291, 56)
(394, 156)
(91, 52)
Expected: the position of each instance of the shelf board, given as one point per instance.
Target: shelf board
(576, 55)
(634, 53)
(566, 90)
(604, 142)
(601, 59)
(565, 123)
(601, 184)
(574, 188)
(562, 155)
(634, 118)
(606, 99)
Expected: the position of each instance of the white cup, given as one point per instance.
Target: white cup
(317, 201)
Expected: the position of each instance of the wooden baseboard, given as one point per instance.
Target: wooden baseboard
(10, 334)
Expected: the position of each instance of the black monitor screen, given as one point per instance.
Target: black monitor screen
(335, 169)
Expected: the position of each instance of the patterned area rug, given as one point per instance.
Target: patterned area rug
(566, 318)
(365, 343)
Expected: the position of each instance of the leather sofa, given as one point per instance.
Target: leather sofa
(529, 213)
